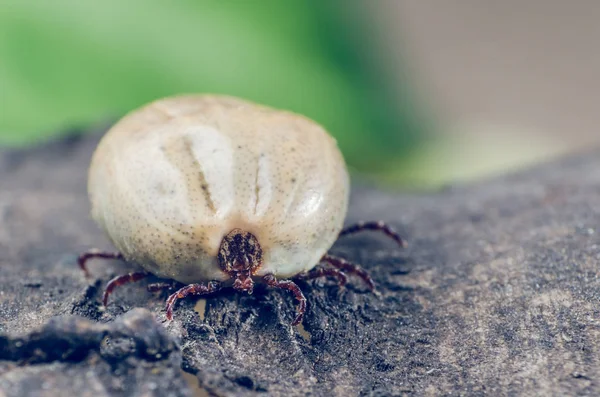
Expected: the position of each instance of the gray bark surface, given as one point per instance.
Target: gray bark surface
(496, 294)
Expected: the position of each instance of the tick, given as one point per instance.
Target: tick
(213, 191)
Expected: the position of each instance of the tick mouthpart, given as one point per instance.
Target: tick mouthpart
(239, 253)
(243, 282)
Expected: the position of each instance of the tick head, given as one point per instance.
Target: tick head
(240, 256)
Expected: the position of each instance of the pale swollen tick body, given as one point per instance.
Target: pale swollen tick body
(214, 191)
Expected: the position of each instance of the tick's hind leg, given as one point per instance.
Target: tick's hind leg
(271, 281)
(122, 280)
(192, 289)
(376, 226)
(349, 268)
(94, 253)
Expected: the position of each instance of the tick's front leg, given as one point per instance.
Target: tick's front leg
(192, 289)
(350, 268)
(322, 271)
(291, 286)
(122, 280)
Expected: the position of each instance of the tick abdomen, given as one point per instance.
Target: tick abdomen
(170, 180)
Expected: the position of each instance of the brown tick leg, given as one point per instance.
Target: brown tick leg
(271, 281)
(122, 280)
(83, 258)
(321, 271)
(377, 226)
(351, 268)
(192, 289)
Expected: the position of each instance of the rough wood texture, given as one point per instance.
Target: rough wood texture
(496, 294)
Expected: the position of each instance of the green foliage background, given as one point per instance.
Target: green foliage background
(66, 63)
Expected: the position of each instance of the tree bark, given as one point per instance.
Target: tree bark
(496, 294)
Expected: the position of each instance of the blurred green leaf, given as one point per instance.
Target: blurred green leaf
(68, 62)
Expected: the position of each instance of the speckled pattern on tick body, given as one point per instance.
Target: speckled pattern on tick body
(216, 191)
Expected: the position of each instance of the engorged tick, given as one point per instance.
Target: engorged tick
(213, 191)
